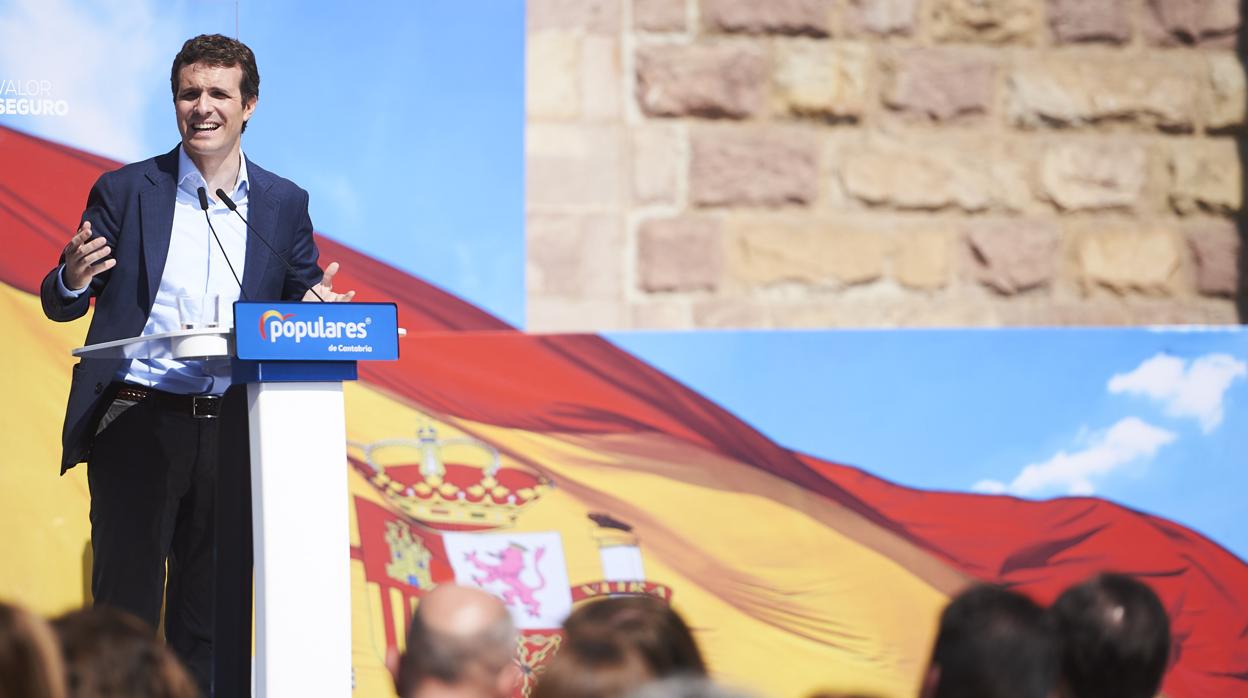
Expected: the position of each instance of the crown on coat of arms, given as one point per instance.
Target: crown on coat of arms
(452, 484)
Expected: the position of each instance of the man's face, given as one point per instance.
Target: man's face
(210, 109)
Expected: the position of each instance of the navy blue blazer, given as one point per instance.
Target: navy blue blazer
(132, 208)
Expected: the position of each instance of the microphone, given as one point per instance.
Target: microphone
(256, 234)
(203, 204)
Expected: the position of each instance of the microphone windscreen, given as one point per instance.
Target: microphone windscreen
(203, 198)
(225, 198)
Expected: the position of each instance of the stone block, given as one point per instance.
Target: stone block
(807, 17)
(574, 315)
(573, 256)
(929, 176)
(725, 313)
(553, 76)
(923, 260)
(769, 251)
(659, 153)
(679, 254)
(1228, 96)
(1014, 255)
(701, 80)
(572, 165)
(753, 167)
(1074, 21)
(989, 21)
(1094, 175)
(590, 16)
(1205, 22)
(670, 314)
(939, 84)
(824, 79)
(1206, 175)
(601, 79)
(1144, 259)
(1069, 90)
(882, 17)
(1215, 246)
(660, 15)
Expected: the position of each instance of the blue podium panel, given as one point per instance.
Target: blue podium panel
(316, 331)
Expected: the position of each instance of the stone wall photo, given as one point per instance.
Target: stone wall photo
(833, 163)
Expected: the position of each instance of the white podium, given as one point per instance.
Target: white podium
(299, 502)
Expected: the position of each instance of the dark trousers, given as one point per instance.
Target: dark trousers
(170, 489)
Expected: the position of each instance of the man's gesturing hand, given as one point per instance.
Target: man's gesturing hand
(325, 288)
(84, 258)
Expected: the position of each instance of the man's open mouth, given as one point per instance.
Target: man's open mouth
(205, 128)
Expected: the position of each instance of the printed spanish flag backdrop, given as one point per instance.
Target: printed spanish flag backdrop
(551, 469)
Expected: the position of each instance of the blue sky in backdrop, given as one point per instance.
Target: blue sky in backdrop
(1156, 420)
(403, 120)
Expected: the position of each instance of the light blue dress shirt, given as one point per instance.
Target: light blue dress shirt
(194, 268)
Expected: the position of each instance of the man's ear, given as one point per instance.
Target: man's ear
(249, 108)
(392, 665)
(509, 679)
(931, 681)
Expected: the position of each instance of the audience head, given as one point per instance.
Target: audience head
(462, 642)
(993, 643)
(644, 624)
(30, 661)
(593, 667)
(686, 687)
(1115, 638)
(111, 653)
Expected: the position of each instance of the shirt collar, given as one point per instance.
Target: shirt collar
(190, 178)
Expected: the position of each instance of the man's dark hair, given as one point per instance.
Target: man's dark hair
(1115, 638)
(645, 623)
(111, 653)
(219, 51)
(995, 643)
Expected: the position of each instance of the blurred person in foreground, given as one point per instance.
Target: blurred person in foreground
(1115, 638)
(645, 624)
(30, 660)
(462, 644)
(112, 654)
(993, 643)
(686, 687)
(600, 666)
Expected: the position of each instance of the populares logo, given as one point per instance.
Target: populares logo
(274, 326)
(273, 316)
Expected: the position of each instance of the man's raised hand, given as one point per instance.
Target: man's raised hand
(85, 258)
(325, 288)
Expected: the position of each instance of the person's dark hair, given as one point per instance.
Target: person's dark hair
(593, 667)
(30, 661)
(1115, 638)
(995, 643)
(219, 51)
(111, 653)
(645, 623)
(451, 659)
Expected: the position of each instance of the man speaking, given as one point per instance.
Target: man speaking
(156, 432)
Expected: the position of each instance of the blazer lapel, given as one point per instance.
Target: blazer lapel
(156, 221)
(262, 214)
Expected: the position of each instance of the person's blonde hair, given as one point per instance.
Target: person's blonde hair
(30, 660)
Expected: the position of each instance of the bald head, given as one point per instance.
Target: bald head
(460, 637)
(459, 612)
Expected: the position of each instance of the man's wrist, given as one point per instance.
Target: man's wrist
(67, 293)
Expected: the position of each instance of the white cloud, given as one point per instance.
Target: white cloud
(1129, 440)
(106, 60)
(1186, 390)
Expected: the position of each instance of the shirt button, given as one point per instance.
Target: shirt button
(99, 388)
